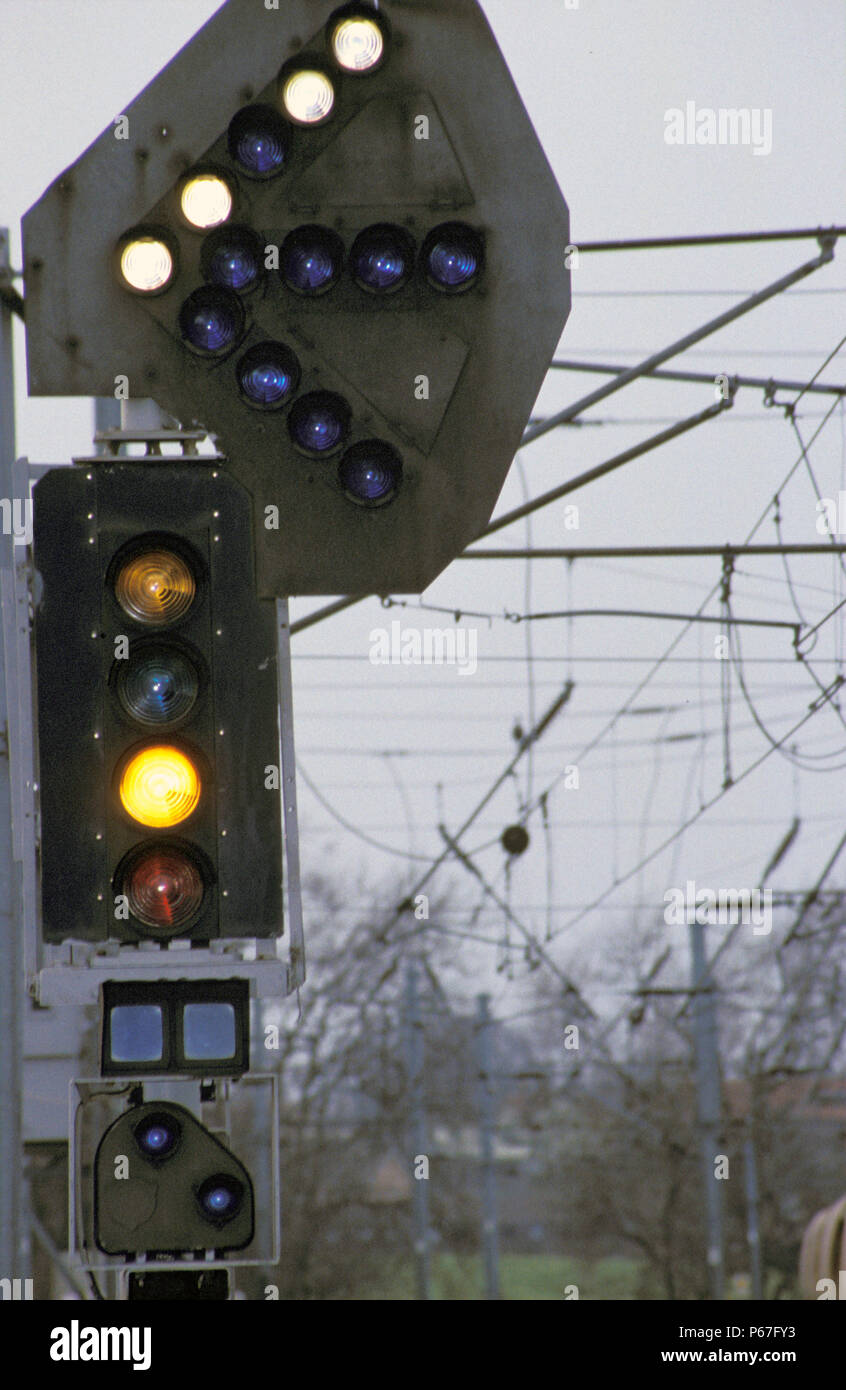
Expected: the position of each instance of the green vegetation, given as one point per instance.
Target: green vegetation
(527, 1277)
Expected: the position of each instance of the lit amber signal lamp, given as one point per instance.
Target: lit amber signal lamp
(160, 786)
(155, 587)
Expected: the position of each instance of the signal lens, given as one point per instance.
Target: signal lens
(158, 1136)
(319, 422)
(453, 257)
(308, 96)
(206, 201)
(233, 257)
(267, 375)
(382, 258)
(155, 587)
(136, 1033)
(358, 43)
(146, 264)
(259, 141)
(220, 1197)
(160, 786)
(158, 686)
(312, 259)
(165, 888)
(371, 473)
(209, 1031)
(211, 320)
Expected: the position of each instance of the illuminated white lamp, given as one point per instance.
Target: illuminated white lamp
(206, 201)
(308, 96)
(146, 264)
(358, 44)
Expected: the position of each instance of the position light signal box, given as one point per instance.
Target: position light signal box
(164, 1184)
(157, 708)
(330, 236)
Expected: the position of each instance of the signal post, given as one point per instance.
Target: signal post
(328, 237)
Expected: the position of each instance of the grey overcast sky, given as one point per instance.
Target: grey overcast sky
(393, 750)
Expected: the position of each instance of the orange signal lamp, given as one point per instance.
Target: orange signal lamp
(160, 786)
(155, 587)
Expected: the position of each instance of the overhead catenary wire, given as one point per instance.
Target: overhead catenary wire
(769, 385)
(712, 239)
(724, 791)
(510, 617)
(354, 829)
(682, 344)
(600, 470)
(667, 654)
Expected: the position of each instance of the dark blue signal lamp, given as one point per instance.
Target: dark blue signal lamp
(158, 1136)
(371, 473)
(212, 320)
(382, 258)
(259, 141)
(268, 375)
(311, 260)
(453, 257)
(221, 1197)
(185, 1027)
(159, 683)
(233, 257)
(319, 423)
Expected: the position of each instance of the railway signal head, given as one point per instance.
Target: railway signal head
(330, 236)
(157, 708)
